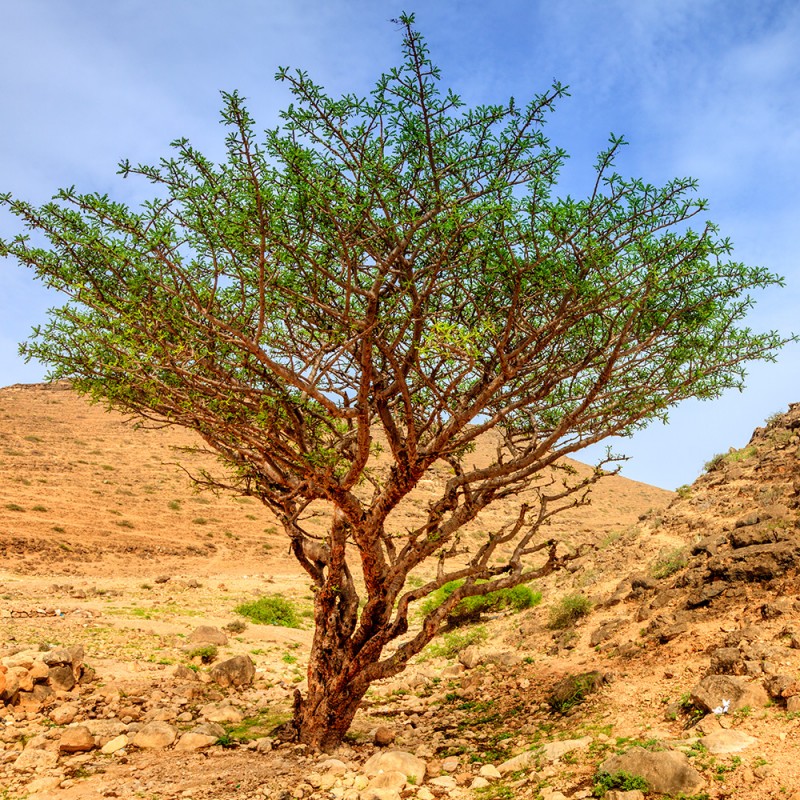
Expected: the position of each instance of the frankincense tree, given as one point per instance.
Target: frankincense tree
(393, 270)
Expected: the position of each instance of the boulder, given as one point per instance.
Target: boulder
(392, 779)
(524, 761)
(236, 671)
(396, 761)
(554, 750)
(61, 678)
(208, 634)
(727, 741)
(155, 736)
(666, 771)
(713, 690)
(76, 740)
(195, 741)
(35, 760)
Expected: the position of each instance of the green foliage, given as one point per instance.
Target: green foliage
(270, 610)
(669, 562)
(568, 611)
(205, 652)
(451, 644)
(715, 462)
(624, 781)
(470, 609)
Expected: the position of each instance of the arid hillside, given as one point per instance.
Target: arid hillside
(664, 662)
(83, 488)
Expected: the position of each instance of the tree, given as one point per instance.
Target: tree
(392, 272)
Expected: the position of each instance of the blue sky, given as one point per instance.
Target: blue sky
(708, 88)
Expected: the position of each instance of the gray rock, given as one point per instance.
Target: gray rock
(714, 689)
(62, 678)
(667, 771)
(35, 760)
(208, 634)
(383, 736)
(236, 671)
(195, 741)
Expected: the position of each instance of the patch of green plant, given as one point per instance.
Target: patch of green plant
(270, 610)
(38, 508)
(14, 507)
(174, 505)
(288, 658)
(495, 791)
(684, 491)
(452, 643)
(669, 562)
(627, 742)
(205, 652)
(568, 611)
(715, 462)
(470, 609)
(624, 781)
(254, 727)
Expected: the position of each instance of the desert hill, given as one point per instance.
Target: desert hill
(684, 659)
(83, 488)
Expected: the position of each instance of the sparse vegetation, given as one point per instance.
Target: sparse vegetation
(624, 781)
(567, 611)
(271, 610)
(470, 609)
(669, 562)
(205, 652)
(451, 644)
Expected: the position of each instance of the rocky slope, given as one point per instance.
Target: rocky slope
(680, 673)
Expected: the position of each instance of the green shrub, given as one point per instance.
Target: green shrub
(205, 652)
(715, 462)
(568, 611)
(470, 609)
(669, 562)
(453, 643)
(604, 781)
(270, 610)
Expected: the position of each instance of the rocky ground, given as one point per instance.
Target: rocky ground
(125, 674)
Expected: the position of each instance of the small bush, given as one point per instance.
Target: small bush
(624, 781)
(669, 562)
(568, 611)
(270, 610)
(453, 643)
(205, 652)
(236, 626)
(470, 609)
(715, 462)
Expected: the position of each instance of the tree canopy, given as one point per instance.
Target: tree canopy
(393, 271)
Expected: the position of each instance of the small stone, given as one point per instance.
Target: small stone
(793, 704)
(490, 771)
(479, 783)
(64, 715)
(46, 784)
(114, 745)
(384, 736)
(450, 764)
